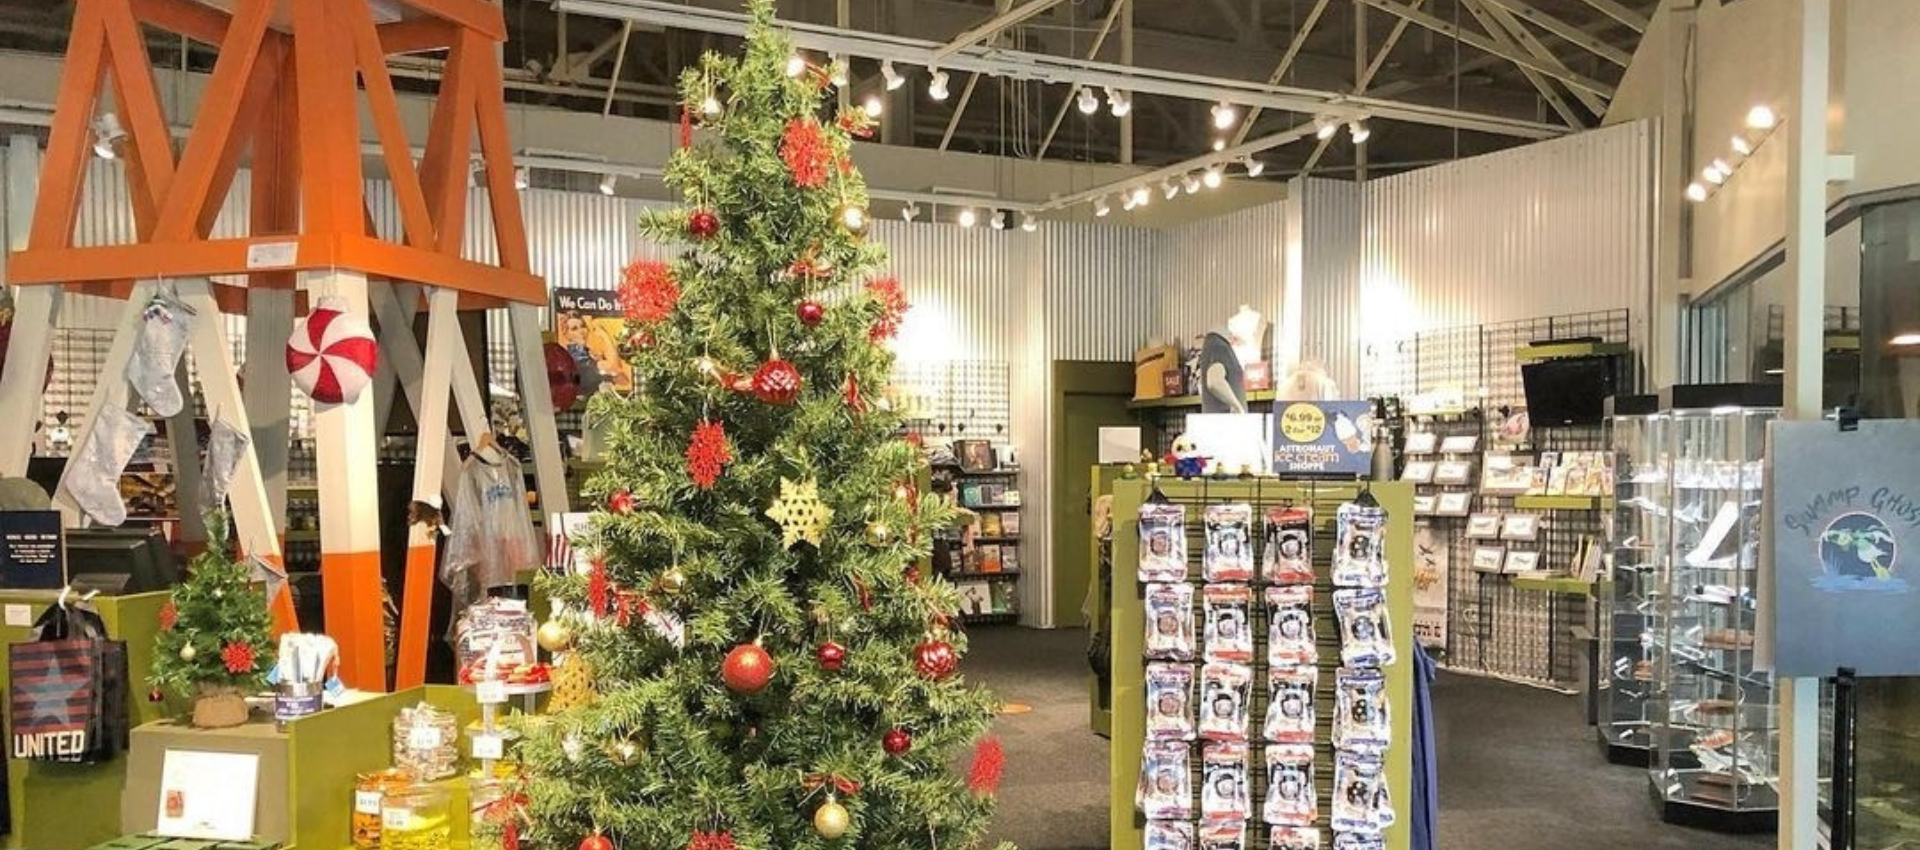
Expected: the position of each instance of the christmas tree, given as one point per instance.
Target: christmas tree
(772, 669)
(215, 633)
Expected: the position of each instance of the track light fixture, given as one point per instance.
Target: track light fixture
(1100, 207)
(1219, 145)
(1696, 192)
(968, 217)
(873, 105)
(937, 85)
(1255, 167)
(1028, 223)
(522, 178)
(998, 221)
(1118, 102)
(1761, 117)
(1126, 201)
(796, 65)
(1741, 146)
(1141, 196)
(1088, 102)
(1211, 177)
(1324, 128)
(1190, 183)
(107, 134)
(1359, 131)
(1168, 190)
(893, 77)
(910, 212)
(1224, 114)
(606, 184)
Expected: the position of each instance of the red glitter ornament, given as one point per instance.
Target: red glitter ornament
(647, 291)
(747, 670)
(935, 659)
(703, 224)
(897, 741)
(912, 574)
(707, 454)
(640, 340)
(238, 657)
(510, 835)
(989, 759)
(169, 614)
(832, 656)
(803, 147)
(596, 841)
(892, 298)
(776, 382)
(811, 313)
(620, 502)
(599, 588)
(711, 841)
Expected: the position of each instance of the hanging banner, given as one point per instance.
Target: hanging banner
(589, 323)
(1843, 509)
(1431, 564)
(1323, 438)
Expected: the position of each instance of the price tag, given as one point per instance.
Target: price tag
(423, 738)
(490, 693)
(394, 817)
(367, 802)
(272, 255)
(19, 615)
(488, 746)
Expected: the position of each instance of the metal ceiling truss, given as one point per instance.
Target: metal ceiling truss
(1487, 44)
(1210, 160)
(1495, 27)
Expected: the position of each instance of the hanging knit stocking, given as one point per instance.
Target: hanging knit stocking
(93, 476)
(156, 356)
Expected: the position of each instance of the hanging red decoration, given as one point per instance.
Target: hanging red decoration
(850, 391)
(707, 454)
(747, 670)
(711, 841)
(832, 656)
(596, 841)
(169, 615)
(912, 574)
(238, 656)
(620, 502)
(599, 588)
(703, 224)
(776, 382)
(809, 268)
(892, 299)
(897, 741)
(563, 376)
(935, 659)
(647, 291)
(686, 126)
(915, 439)
(989, 760)
(803, 147)
(857, 123)
(510, 835)
(811, 313)
(640, 340)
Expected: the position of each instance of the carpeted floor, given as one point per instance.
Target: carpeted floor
(1518, 770)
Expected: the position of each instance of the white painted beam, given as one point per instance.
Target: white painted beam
(1572, 34)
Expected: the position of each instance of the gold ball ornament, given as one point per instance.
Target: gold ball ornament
(187, 652)
(878, 533)
(831, 819)
(673, 580)
(555, 636)
(853, 218)
(624, 753)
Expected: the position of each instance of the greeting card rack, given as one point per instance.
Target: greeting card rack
(1127, 616)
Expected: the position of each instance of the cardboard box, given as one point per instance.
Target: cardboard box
(1149, 365)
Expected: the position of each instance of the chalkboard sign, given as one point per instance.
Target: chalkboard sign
(32, 554)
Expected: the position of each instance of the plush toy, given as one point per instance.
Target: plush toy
(1186, 459)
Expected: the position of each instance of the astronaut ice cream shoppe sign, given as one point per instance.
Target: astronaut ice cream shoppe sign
(1845, 515)
(1322, 437)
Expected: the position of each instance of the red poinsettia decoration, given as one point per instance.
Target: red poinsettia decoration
(599, 588)
(711, 841)
(803, 147)
(893, 307)
(238, 656)
(647, 291)
(989, 760)
(169, 615)
(707, 453)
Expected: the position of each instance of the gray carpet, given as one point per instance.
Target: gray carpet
(1518, 770)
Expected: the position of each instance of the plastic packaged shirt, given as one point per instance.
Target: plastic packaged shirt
(492, 536)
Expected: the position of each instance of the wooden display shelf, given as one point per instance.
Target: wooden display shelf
(1554, 351)
(1192, 401)
(1564, 585)
(1562, 503)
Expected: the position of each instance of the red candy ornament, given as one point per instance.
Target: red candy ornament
(935, 659)
(776, 382)
(832, 656)
(747, 670)
(621, 502)
(703, 224)
(897, 741)
(811, 313)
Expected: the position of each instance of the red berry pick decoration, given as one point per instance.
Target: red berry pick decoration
(803, 147)
(776, 382)
(647, 291)
(621, 502)
(832, 656)
(703, 224)
(707, 454)
(811, 313)
(935, 659)
(897, 741)
(238, 657)
(169, 615)
(596, 841)
(712, 841)
(747, 670)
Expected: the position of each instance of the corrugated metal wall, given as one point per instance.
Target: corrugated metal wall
(1330, 312)
(1208, 269)
(1103, 292)
(1563, 226)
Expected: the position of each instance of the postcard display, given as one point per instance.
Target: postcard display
(1267, 626)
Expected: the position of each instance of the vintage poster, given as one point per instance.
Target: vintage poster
(1332, 438)
(588, 322)
(1430, 567)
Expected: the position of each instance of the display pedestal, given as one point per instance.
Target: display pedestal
(58, 806)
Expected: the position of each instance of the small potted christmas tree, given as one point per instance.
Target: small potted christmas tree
(214, 645)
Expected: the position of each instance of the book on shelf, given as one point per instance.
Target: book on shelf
(1010, 524)
(1004, 598)
(1010, 559)
(990, 525)
(989, 559)
(975, 597)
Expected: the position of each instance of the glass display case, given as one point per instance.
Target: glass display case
(1631, 587)
(1714, 736)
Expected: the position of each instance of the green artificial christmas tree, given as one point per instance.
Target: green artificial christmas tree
(215, 642)
(771, 669)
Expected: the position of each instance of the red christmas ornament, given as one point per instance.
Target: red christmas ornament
(563, 376)
(776, 382)
(808, 268)
(596, 841)
(238, 657)
(747, 670)
(832, 656)
(707, 454)
(892, 298)
(169, 614)
(703, 224)
(803, 147)
(647, 291)
(686, 126)
(935, 659)
(989, 759)
(811, 313)
(915, 439)
(621, 502)
(599, 588)
(850, 391)
(639, 340)
(912, 574)
(155, 695)
(712, 841)
(897, 741)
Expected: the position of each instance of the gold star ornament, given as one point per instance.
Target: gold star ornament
(801, 514)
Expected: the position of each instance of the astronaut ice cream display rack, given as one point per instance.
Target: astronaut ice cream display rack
(1262, 665)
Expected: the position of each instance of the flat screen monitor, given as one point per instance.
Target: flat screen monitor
(1569, 391)
(137, 560)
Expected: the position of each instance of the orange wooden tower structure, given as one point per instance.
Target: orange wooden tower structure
(283, 97)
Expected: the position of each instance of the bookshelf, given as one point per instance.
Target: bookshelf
(983, 557)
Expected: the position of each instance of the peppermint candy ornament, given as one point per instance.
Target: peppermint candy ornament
(331, 354)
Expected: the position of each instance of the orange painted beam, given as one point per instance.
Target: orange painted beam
(197, 21)
(416, 601)
(351, 584)
(149, 142)
(398, 262)
(256, 106)
(420, 35)
(509, 227)
(449, 149)
(331, 189)
(70, 142)
(385, 106)
(214, 139)
(475, 16)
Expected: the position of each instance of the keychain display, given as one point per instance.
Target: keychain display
(1293, 838)
(1170, 702)
(1359, 556)
(1365, 640)
(1289, 557)
(1169, 835)
(1360, 803)
(1223, 834)
(1166, 787)
(1170, 622)
(1225, 692)
(1229, 622)
(1290, 711)
(1360, 719)
(1359, 841)
(1290, 639)
(1229, 554)
(1163, 542)
(1223, 781)
(1291, 800)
